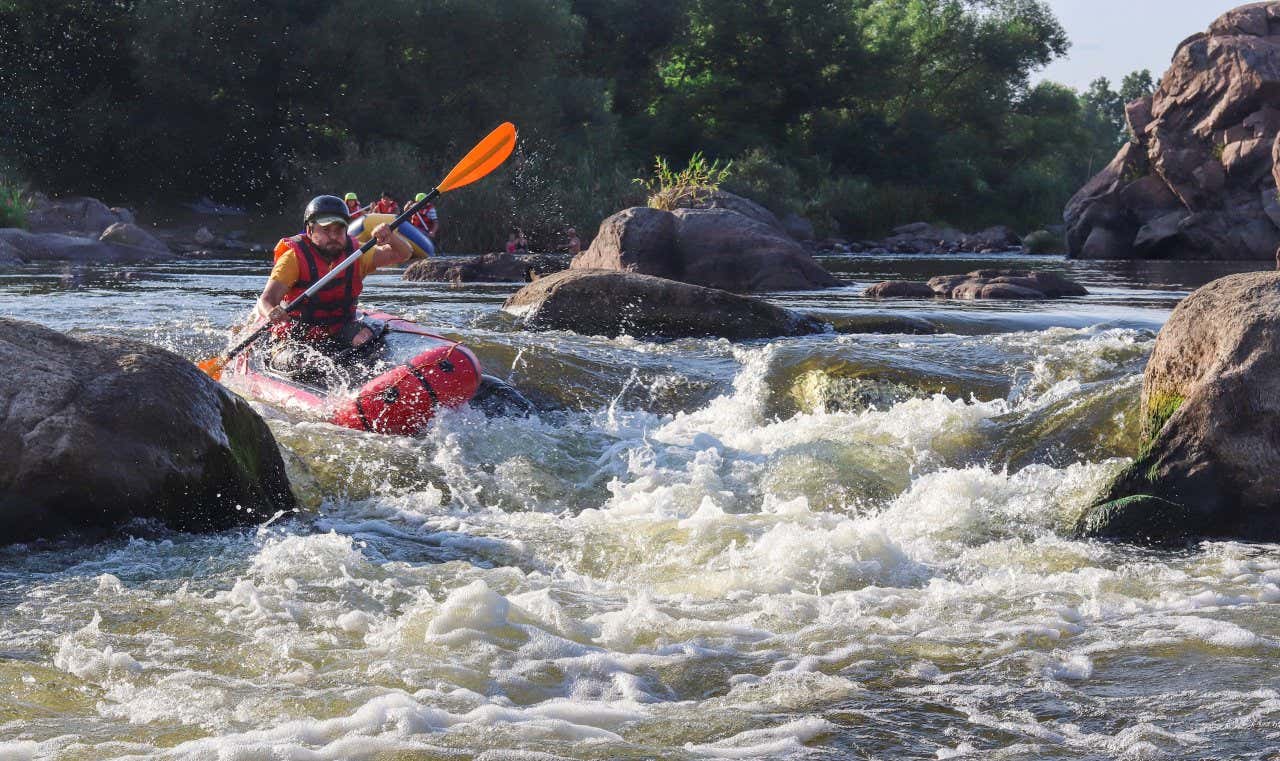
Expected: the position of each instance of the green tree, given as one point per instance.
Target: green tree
(860, 113)
(1136, 84)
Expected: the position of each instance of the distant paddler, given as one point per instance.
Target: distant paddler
(426, 218)
(354, 209)
(386, 204)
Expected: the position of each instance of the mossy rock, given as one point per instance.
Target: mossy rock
(1140, 518)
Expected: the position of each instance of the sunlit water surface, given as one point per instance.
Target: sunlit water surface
(838, 546)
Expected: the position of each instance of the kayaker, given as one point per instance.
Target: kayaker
(573, 246)
(427, 220)
(386, 204)
(354, 211)
(323, 336)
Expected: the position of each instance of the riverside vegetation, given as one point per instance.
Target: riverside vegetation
(882, 112)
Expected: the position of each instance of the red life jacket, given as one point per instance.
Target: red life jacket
(354, 208)
(422, 220)
(386, 207)
(329, 308)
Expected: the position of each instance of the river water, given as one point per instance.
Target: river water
(852, 545)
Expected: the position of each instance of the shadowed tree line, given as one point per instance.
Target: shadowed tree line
(858, 114)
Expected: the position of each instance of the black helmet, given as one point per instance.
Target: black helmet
(326, 210)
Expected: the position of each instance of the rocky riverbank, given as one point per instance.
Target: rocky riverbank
(1198, 180)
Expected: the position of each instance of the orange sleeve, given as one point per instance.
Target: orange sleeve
(285, 270)
(366, 264)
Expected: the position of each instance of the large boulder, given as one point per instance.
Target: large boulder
(719, 246)
(1209, 461)
(723, 199)
(76, 216)
(24, 246)
(613, 303)
(798, 227)
(129, 234)
(1197, 178)
(97, 432)
(639, 239)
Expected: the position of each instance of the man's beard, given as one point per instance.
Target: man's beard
(332, 250)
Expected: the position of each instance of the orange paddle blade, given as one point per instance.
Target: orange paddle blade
(482, 159)
(212, 367)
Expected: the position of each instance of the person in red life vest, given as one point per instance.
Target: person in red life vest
(322, 340)
(386, 204)
(426, 219)
(354, 211)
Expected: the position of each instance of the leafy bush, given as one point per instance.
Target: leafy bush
(13, 204)
(856, 207)
(759, 175)
(1043, 242)
(666, 188)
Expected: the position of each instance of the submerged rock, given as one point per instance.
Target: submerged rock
(982, 284)
(900, 289)
(1209, 464)
(727, 242)
(611, 303)
(1197, 179)
(101, 431)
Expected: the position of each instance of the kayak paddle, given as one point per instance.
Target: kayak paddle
(482, 159)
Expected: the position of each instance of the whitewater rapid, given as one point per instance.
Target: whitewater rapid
(759, 551)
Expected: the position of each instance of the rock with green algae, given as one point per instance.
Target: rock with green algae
(98, 432)
(1209, 463)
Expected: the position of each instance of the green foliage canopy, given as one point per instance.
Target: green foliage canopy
(861, 114)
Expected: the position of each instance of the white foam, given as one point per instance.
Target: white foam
(109, 585)
(314, 557)
(474, 608)
(1068, 666)
(789, 738)
(23, 750)
(85, 654)
(1218, 633)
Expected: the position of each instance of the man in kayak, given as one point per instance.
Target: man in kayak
(354, 211)
(320, 338)
(427, 220)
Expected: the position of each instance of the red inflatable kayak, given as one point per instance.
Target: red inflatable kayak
(424, 373)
